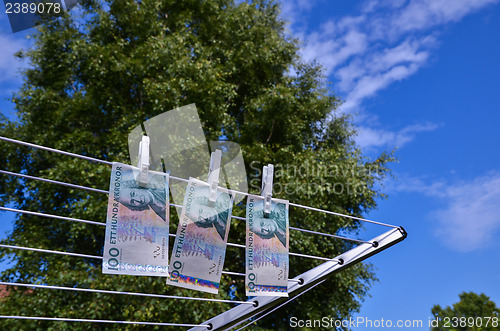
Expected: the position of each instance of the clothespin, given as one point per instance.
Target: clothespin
(267, 188)
(143, 163)
(213, 174)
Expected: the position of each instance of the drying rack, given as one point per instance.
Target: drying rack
(256, 307)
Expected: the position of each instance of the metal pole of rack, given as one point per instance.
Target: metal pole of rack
(242, 313)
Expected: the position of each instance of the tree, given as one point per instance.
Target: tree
(96, 76)
(472, 312)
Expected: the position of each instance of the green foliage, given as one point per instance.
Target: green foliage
(472, 312)
(96, 76)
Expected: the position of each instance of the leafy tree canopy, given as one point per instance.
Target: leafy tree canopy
(472, 312)
(103, 69)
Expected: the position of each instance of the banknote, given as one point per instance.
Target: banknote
(200, 245)
(137, 224)
(266, 248)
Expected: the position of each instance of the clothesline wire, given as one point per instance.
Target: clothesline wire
(104, 224)
(52, 181)
(41, 250)
(150, 295)
(171, 204)
(49, 251)
(62, 319)
(82, 255)
(184, 180)
(15, 141)
(100, 257)
(51, 216)
(123, 293)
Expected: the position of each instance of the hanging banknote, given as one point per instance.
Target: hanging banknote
(137, 224)
(266, 248)
(200, 245)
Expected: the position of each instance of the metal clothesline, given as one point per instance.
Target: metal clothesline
(150, 295)
(61, 319)
(170, 234)
(185, 180)
(367, 248)
(4, 172)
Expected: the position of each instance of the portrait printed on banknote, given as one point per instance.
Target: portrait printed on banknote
(272, 226)
(137, 224)
(138, 198)
(206, 214)
(200, 244)
(267, 248)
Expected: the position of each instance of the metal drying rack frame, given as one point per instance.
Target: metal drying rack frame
(257, 307)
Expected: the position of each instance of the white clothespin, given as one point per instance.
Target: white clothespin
(213, 174)
(267, 188)
(143, 163)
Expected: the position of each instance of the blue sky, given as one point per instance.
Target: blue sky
(422, 77)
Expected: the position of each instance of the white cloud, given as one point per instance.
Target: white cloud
(470, 217)
(420, 185)
(371, 5)
(424, 14)
(409, 51)
(293, 10)
(362, 79)
(10, 65)
(335, 42)
(386, 42)
(371, 137)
